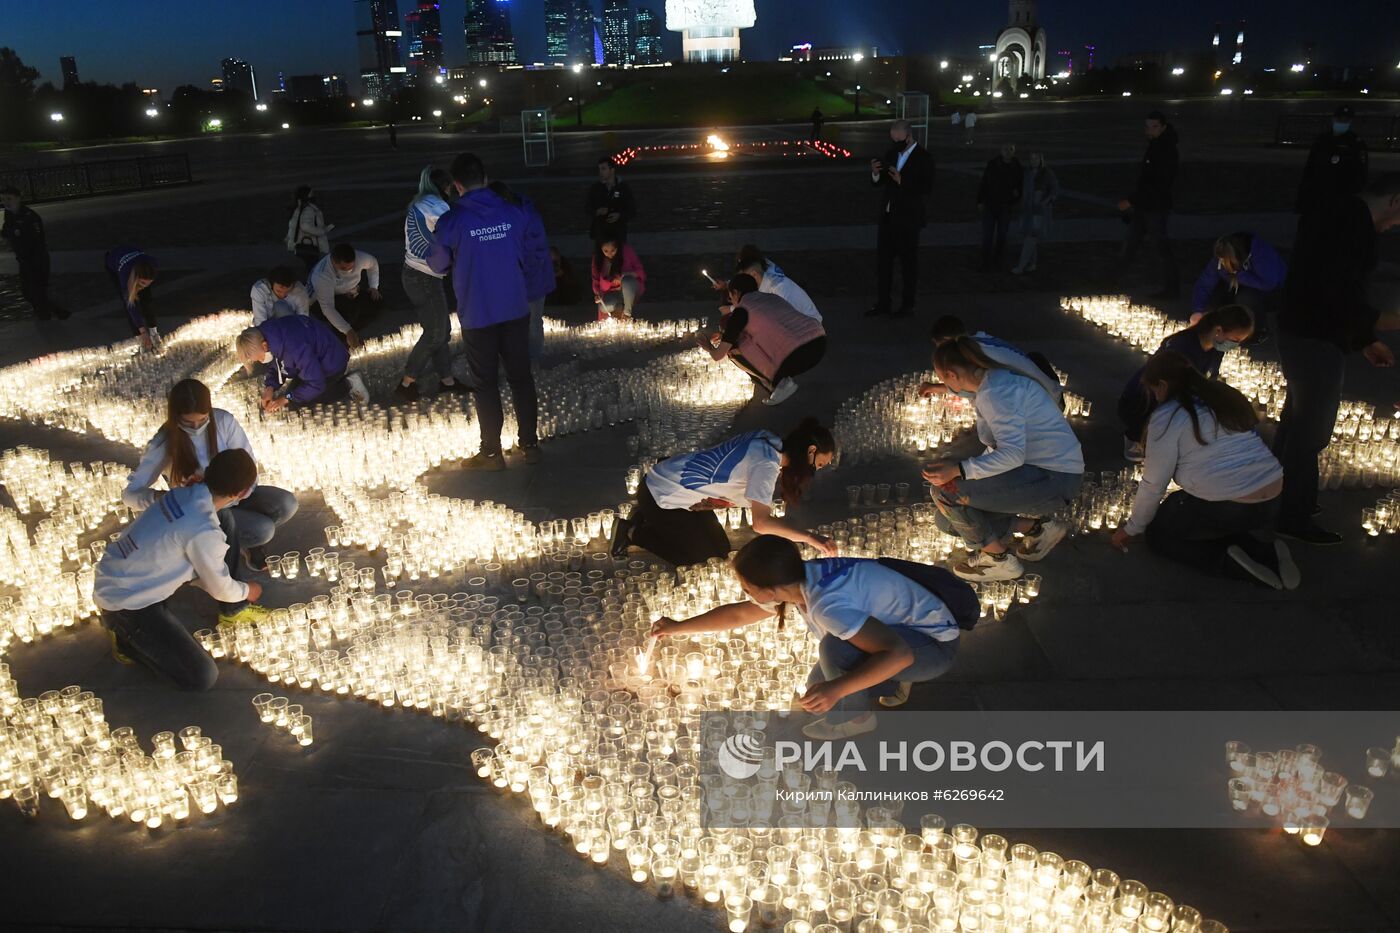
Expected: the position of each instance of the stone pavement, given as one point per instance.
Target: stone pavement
(380, 826)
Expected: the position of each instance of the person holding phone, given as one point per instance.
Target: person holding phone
(904, 175)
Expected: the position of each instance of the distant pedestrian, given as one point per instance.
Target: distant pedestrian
(133, 273)
(1039, 189)
(905, 175)
(23, 230)
(539, 264)
(997, 197)
(280, 294)
(956, 120)
(1148, 209)
(307, 230)
(482, 240)
(425, 291)
(393, 137)
(345, 286)
(619, 278)
(1327, 316)
(1337, 164)
(818, 121)
(610, 202)
(969, 123)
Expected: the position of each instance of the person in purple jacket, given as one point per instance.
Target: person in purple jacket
(306, 361)
(133, 273)
(483, 241)
(1244, 270)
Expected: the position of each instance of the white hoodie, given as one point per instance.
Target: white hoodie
(155, 461)
(264, 300)
(177, 541)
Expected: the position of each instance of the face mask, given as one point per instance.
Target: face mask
(965, 393)
(266, 357)
(1227, 345)
(769, 607)
(1340, 128)
(196, 432)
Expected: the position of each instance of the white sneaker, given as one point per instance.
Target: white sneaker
(1288, 573)
(1253, 568)
(899, 697)
(823, 731)
(983, 566)
(1035, 548)
(358, 390)
(781, 392)
(1134, 450)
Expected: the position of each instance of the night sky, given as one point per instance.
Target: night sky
(165, 43)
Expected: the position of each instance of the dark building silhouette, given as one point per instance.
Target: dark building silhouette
(490, 37)
(69, 66)
(239, 76)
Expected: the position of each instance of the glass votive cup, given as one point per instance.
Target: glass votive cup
(261, 703)
(226, 786)
(1239, 789)
(738, 907)
(302, 731)
(188, 735)
(75, 801)
(1377, 761)
(1313, 829)
(277, 709)
(1358, 800)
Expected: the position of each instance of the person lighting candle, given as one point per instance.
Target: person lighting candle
(133, 273)
(674, 514)
(1032, 466)
(306, 362)
(767, 338)
(181, 539)
(880, 630)
(193, 434)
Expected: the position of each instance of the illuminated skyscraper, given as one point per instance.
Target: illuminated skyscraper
(422, 29)
(238, 76)
(617, 32)
(568, 31)
(380, 40)
(490, 37)
(648, 32)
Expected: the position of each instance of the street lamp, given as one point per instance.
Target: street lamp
(482, 82)
(578, 94)
(1178, 71)
(858, 57)
(261, 108)
(368, 102)
(943, 65)
(857, 100)
(56, 117)
(437, 79)
(152, 112)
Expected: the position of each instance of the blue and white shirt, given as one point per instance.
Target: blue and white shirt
(742, 469)
(418, 227)
(842, 592)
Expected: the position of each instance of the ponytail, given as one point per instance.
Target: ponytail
(796, 475)
(1188, 388)
(962, 355)
(187, 397)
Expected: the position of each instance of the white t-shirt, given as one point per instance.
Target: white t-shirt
(842, 592)
(742, 469)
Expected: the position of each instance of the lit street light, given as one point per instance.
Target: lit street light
(1297, 68)
(286, 126)
(578, 95)
(482, 82)
(368, 102)
(437, 113)
(857, 100)
(438, 79)
(56, 117)
(261, 108)
(152, 112)
(858, 57)
(1178, 71)
(943, 65)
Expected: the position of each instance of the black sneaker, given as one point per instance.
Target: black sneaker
(532, 454)
(256, 558)
(484, 462)
(456, 388)
(1309, 532)
(621, 537)
(407, 393)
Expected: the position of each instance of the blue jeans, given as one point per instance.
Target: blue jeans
(622, 298)
(981, 510)
(429, 300)
(835, 657)
(258, 517)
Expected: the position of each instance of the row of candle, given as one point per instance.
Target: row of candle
(1291, 786)
(1384, 517)
(286, 716)
(1365, 449)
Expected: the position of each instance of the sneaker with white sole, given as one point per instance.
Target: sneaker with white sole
(899, 697)
(983, 566)
(1134, 450)
(781, 392)
(824, 731)
(1252, 568)
(1035, 547)
(1288, 573)
(358, 390)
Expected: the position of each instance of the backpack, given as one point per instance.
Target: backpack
(958, 595)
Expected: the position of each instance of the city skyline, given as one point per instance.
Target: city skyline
(184, 50)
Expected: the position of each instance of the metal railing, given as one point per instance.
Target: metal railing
(86, 179)
(1379, 130)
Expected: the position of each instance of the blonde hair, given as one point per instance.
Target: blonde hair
(249, 344)
(140, 269)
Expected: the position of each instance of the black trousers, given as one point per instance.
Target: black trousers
(677, 536)
(1153, 225)
(896, 241)
(1315, 370)
(996, 220)
(801, 360)
(486, 349)
(1197, 532)
(34, 287)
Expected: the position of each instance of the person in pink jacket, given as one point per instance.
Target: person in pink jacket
(767, 338)
(618, 277)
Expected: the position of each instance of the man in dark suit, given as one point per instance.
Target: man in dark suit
(905, 175)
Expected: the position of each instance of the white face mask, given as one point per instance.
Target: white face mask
(196, 432)
(769, 607)
(266, 357)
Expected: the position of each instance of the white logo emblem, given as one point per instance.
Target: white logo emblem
(740, 756)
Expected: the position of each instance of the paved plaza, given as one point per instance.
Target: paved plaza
(382, 825)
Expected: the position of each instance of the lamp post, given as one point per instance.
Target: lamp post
(857, 100)
(578, 95)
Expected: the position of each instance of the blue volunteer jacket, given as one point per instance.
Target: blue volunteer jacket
(482, 241)
(306, 350)
(539, 269)
(119, 262)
